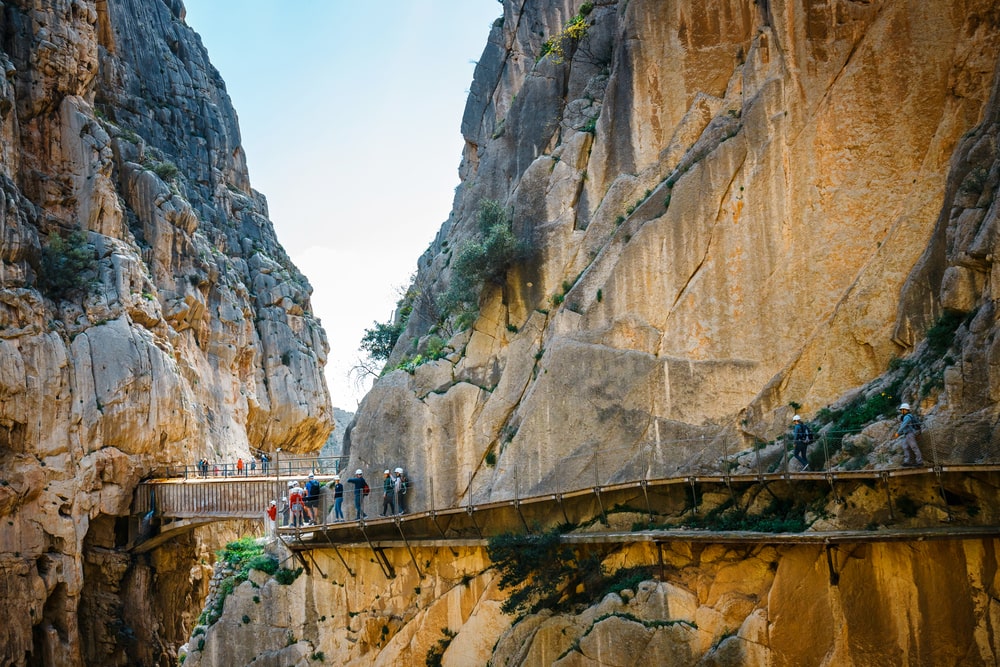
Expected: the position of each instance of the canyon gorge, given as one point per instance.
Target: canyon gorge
(719, 214)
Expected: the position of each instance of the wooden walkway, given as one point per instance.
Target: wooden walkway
(176, 505)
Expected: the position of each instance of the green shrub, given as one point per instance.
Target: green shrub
(942, 334)
(68, 266)
(485, 259)
(238, 553)
(284, 576)
(265, 563)
(381, 338)
(167, 171)
(535, 564)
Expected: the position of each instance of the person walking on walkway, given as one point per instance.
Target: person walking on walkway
(338, 499)
(388, 494)
(313, 490)
(359, 484)
(909, 427)
(296, 501)
(400, 486)
(272, 519)
(239, 466)
(802, 436)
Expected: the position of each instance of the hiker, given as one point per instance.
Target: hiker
(359, 484)
(313, 490)
(272, 518)
(264, 460)
(388, 494)
(296, 501)
(400, 485)
(909, 427)
(239, 466)
(338, 499)
(802, 436)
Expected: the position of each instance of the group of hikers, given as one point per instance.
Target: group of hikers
(304, 506)
(909, 428)
(240, 467)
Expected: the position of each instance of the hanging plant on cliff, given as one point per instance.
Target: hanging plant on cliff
(485, 259)
(555, 47)
(68, 266)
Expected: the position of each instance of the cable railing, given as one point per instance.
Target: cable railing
(533, 474)
(277, 465)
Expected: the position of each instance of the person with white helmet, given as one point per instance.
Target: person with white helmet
(296, 501)
(802, 436)
(400, 486)
(338, 499)
(312, 494)
(388, 494)
(272, 518)
(361, 491)
(909, 427)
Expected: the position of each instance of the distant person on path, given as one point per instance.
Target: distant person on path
(272, 518)
(264, 460)
(359, 484)
(239, 466)
(338, 499)
(909, 427)
(400, 485)
(388, 495)
(802, 436)
(253, 466)
(313, 490)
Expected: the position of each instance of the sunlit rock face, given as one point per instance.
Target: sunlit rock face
(733, 206)
(707, 605)
(186, 332)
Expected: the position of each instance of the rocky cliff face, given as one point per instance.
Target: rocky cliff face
(148, 316)
(733, 206)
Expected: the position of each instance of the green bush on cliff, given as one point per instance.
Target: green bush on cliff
(533, 565)
(480, 261)
(68, 265)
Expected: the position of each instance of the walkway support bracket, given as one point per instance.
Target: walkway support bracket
(413, 559)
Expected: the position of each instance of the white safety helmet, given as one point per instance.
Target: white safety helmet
(386, 472)
(399, 470)
(291, 484)
(358, 472)
(336, 478)
(904, 406)
(796, 418)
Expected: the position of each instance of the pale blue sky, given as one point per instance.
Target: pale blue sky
(350, 115)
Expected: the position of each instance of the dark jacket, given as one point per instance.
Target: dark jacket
(359, 485)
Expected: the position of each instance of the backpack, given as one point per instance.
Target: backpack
(295, 497)
(810, 437)
(915, 423)
(404, 484)
(312, 488)
(365, 490)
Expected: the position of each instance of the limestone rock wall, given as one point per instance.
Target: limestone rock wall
(714, 605)
(186, 333)
(734, 205)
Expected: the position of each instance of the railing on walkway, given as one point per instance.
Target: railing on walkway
(834, 456)
(281, 465)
